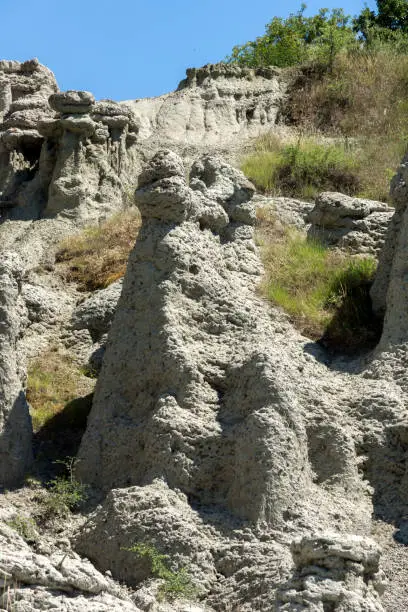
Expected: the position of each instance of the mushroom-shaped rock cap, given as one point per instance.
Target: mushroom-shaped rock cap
(164, 164)
(162, 190)
(72, 102)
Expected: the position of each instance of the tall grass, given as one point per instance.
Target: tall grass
(301, 169)
(364, 98)
(325, 292)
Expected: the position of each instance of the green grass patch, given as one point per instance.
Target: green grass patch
(98, 255)
(302, 169)
(325, 292)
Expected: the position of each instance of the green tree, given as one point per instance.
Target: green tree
(389, 23)
(296, 39)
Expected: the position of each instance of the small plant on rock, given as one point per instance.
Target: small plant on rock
(176, 583)
(65, 493)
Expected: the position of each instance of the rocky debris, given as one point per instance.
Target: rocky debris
(164, 517)
(355, 224)
(209, 415)
(15, 422)
(330, 569)
(61, 580)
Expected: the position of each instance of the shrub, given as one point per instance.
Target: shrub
(325, 292)
(53, 381)
(301, 169)
(65, 493)
(175, 583)
(98, 255)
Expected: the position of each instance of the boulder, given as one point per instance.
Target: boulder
(355, 224)
(334, 571)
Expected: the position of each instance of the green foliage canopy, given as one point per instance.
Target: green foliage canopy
(297, 38)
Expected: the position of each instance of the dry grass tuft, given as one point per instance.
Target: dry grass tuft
(53, 381)
(98, 255)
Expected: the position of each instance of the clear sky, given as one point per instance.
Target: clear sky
(123, 49)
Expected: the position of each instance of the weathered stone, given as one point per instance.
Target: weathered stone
(356, 224)
(206, 274)
(96, 313)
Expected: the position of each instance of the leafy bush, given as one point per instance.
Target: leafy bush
(98, 256)
(175, 583)
(325, 292)
(302, 169)
(53, 381)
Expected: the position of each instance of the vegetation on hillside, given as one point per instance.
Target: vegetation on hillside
(98, 255)
(303, 168)
(325, 292)
(349, 83)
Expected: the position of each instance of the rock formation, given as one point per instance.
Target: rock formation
(59, 152)
(15, 422)
(202, 428)
(355, 224)
(218, 435)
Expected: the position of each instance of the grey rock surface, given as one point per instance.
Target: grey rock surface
(96, 312)
(218, 434)
(288, 211)
(214, 109)
(356, 224)
(15, 422)
(390, 292)
(331, 569)
(211, 271)
(59, 152)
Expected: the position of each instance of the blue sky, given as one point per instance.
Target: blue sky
(124, 49)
